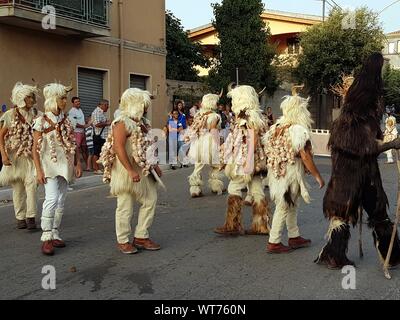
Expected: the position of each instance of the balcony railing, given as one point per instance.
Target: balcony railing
(91, 12)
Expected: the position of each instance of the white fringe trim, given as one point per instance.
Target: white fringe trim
(336, 224)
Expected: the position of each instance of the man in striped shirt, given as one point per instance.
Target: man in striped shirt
(101, 127)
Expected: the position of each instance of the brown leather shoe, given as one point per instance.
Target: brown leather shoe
(31, 223)
(299, 242)
(146, 244)
(278, 248)
(58, 243)
(126, 248)
(21, 224)
(48, 248)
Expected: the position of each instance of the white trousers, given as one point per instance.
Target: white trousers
(214, 181)
(284, 214)
(53, 207)
(124, 214)
(24, 199)
(255, 187)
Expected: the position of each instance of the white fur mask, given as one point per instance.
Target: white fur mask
(244, 98)
(209, 102)
(134, 102)
(294, 109)
(20, 92)
(51, 93)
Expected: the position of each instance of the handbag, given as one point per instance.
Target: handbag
(97, 139)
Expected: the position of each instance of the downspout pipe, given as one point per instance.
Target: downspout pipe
(121, 45)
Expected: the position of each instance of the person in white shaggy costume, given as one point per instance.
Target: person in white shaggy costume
(288, 149)
(129, 167)
(56, 160)
(245, 162)
(16, 141)
(204, 147)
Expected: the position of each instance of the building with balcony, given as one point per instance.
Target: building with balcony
(285, 28)
(391, 51)
(102, 46)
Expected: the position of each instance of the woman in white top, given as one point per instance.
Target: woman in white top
(55, 156)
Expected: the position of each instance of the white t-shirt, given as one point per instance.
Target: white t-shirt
(76, 116)
(117, 113)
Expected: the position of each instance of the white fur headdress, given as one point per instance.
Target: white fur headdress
(51, 93)
(133, 103)
(294, 110)
(20, 92)
(209, 102)
(244, 98)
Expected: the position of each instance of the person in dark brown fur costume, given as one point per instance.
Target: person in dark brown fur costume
(355, 144)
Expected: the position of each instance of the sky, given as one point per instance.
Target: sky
(194, 13)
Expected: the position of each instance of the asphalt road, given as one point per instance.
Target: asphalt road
(194, 263)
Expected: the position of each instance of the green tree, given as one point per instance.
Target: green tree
(331, 49)
(183, 55)
(243, 44)
(392, 87)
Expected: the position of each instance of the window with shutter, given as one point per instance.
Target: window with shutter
(90, 89)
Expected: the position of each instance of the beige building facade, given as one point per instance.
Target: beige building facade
(102, 46)
(391, 51)
(285, 28)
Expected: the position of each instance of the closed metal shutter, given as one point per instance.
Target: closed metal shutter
(138, 81)
(90, 89)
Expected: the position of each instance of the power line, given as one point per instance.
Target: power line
(388, 6)
(329, 3)
(337, 4)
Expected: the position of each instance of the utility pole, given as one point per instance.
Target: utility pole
(323, 10)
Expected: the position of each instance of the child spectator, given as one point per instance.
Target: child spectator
(89, 131)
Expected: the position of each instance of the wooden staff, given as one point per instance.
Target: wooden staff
(360, 246)
(389, 253)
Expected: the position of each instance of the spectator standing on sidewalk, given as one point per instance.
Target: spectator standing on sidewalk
(77, 118)
(117, 112)
(175, 127)
(193, 110)
(101, 127)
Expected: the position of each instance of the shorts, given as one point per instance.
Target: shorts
(98, 143)
(80, 139)
(91, 151)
